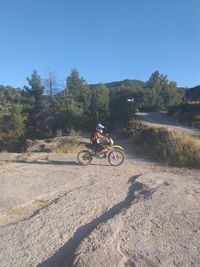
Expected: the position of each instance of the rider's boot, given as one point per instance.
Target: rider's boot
(102, 153)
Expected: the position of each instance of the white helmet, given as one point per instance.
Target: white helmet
(99, 128)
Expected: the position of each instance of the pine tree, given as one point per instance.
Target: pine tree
(12, 127)
(79, 89)
(35, 92)
(100, 103)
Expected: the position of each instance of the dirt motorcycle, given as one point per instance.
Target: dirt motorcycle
(113, 153)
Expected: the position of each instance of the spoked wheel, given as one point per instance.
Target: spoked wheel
(116, 157)
(84, 157)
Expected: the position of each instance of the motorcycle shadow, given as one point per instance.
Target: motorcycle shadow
(96, 164)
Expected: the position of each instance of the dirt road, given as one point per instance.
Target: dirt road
(56, 213)
(162, 118)
(158, 118)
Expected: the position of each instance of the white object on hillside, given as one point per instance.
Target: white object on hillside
(130, 99)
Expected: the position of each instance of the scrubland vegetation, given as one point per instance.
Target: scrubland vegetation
(42, 109)
(175, 148)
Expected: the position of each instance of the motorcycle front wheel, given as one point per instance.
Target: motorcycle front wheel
(116, 157)
(84, 157)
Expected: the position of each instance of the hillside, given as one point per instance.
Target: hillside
(41, 112)
(193, 94)
(134, 84)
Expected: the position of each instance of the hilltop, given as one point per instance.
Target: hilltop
(122, 84)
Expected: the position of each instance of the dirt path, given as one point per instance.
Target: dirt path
(158, 118)
(56, 213)
(162, 118)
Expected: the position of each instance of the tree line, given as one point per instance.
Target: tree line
(193, 94)
(38, 110)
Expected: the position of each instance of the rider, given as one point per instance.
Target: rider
(98, 139)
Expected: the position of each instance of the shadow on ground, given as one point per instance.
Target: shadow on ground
(66, 255)
(56, 162)
(51, 162)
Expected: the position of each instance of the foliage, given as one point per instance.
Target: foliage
(79, 89)
(57, 144)
(158, 93)
(80, 106)
(99, 104)
(32, 107)
(67, 144)
(12, 128)
(187, 113)
(115, 86)
(69, 114)
(9, 96)
(121, 111)
(162, 93)
(193, 94)
(36, 88)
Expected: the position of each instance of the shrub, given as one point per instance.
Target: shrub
(67, 144)
(134, 127)
(168, 146)
(187, 113)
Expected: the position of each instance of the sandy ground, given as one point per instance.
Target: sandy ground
(57, 213)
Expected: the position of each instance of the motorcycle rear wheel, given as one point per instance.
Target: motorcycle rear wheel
(84, 157)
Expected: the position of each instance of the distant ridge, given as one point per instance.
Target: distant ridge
(122, 84)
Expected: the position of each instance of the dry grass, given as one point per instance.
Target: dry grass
(168, 146)
(58, 145)
(67, 144)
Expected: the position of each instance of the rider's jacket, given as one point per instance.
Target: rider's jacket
(97, 138)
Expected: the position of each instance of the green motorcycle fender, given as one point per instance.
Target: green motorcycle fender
(118, 147)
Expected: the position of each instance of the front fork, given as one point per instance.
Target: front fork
(114, 154)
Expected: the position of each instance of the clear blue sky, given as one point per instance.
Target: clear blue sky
(106, 40)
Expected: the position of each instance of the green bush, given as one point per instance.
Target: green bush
(187, 113)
